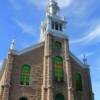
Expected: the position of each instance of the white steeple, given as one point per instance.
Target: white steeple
(13, 45)
(53, 24)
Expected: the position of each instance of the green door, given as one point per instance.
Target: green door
(23, 98)
(59, 97)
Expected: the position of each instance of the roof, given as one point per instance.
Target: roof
(77, 60)
(28, 49)
(41, 44)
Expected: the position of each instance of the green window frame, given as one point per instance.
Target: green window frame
(25, 75)
(58, 45)
(58, 68)
(78, 79)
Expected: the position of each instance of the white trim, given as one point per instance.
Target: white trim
(57, 33)
(57, 18)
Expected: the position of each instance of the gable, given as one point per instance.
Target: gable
(28, 49)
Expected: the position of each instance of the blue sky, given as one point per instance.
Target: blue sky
(20, 20)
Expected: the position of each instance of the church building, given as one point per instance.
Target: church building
(47, 70)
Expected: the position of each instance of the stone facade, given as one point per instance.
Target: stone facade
(33, 91)
(42, 85)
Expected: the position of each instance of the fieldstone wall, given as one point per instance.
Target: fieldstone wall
(33, 58)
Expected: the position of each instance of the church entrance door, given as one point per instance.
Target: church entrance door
(59, 97)
(23, 98)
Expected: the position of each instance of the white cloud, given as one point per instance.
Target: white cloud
(26, 28)
(96, 90)
(97, 68)
(64, 3)
(81, 8)
(15, 4)
(87, 54)
(96, 64)
(93, 36)
(39, 3)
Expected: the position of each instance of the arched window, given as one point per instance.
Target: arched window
(78, 79)
(25, 75)
(58, 68)
(23, 98)
(58, 45)
(59, 97)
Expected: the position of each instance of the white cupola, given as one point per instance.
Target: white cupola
(53, 24)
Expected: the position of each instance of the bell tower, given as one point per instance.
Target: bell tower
(53, 23)
(57, 73)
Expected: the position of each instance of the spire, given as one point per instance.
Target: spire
(13, 45)
(52, 8)
(54, 23)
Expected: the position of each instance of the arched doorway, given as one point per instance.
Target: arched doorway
(23, 98)
(59, 97)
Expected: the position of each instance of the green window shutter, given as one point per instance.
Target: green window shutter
(78, 79)
(57, 45)
(25, 75)
(59, 97)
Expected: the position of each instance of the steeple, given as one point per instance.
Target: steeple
(53, 24)
(52, 8)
